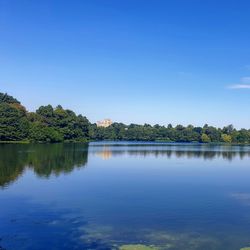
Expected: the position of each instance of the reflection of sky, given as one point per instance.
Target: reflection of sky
(163, 193)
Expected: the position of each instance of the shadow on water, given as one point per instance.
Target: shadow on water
(44, 159)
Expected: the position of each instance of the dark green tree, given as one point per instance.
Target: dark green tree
(14, 125)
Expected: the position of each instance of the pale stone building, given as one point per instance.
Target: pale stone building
(104, 123)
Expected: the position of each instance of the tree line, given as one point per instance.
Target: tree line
(49, 124)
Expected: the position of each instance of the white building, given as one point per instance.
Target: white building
(104, 123)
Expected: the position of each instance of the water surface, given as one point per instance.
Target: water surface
(107, 195)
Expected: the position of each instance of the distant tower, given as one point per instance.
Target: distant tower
(104, 123)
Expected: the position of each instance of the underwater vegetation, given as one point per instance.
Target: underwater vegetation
(138, 247)
(152, 247)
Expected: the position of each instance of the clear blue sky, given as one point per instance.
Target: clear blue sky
(153, 61)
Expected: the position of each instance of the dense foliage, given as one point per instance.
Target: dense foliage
(50, 124)
(13, 121)
(47, 124)
(146, 132)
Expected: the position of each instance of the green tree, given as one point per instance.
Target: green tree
(226, 138)
(205, 138)
(13, 120)
(5, 98)
(40, 133)
(65, 122)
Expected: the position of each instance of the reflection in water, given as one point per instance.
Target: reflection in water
(106, 151)
(44, 159)
(47, 159)
(136, 206)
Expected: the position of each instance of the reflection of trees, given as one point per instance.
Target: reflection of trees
(12, 163)
(45, 159)
(205, 152)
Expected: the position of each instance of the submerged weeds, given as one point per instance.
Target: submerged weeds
(138, 247)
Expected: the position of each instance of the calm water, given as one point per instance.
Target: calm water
(107, 195)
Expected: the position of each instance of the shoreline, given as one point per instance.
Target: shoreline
(127, 141)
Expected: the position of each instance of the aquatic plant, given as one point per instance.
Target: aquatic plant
(138, 247)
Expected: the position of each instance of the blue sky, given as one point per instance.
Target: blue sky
(137, 61)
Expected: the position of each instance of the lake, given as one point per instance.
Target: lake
(126, 196)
